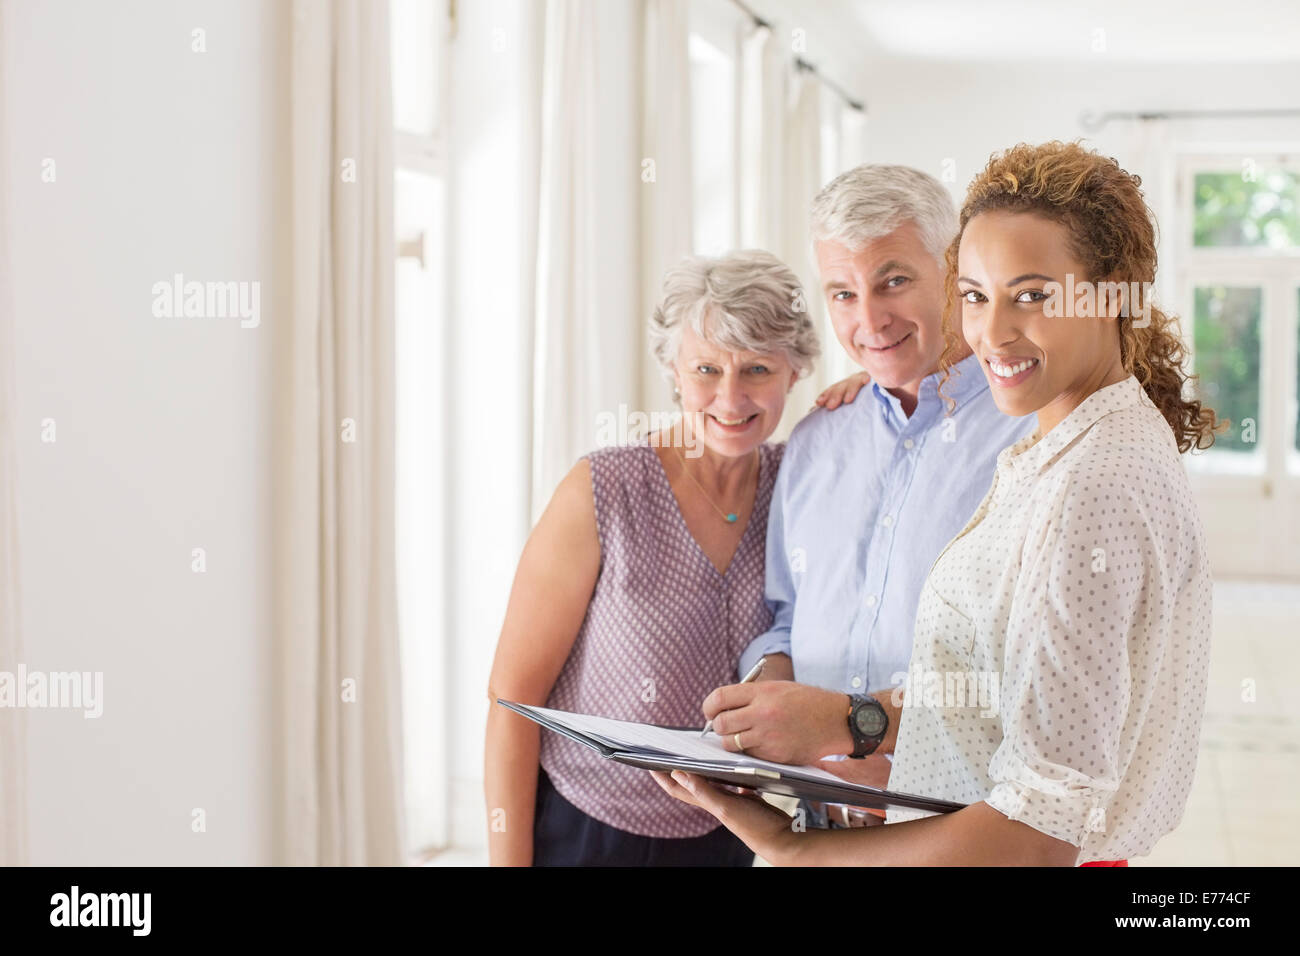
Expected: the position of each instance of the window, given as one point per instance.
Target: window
(1226, 330)
(1295, 394)
(712, 51)
(1247, 209)
(419, 33)
(1239, 256)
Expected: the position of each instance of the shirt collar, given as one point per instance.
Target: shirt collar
(966, 380)
(1033, 453)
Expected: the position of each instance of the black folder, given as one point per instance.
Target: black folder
(616, 740)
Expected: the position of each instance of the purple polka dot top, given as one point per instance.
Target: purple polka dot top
(663, 629)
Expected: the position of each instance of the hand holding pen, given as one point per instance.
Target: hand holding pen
(751, 676)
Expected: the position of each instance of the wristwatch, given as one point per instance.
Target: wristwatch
(868, 723)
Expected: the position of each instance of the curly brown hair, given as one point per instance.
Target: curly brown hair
(1112, 233)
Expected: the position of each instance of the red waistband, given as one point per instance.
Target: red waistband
(1106, 863)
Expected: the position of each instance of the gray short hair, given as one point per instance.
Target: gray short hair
(874, 199)
(745, 301)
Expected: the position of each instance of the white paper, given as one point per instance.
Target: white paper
(627, 735)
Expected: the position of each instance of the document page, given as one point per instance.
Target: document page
(627, 735)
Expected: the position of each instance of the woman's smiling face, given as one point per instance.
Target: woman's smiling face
(1034, 362)
(733, 400)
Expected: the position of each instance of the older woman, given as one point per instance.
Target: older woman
(643, 581)
(1081, 583)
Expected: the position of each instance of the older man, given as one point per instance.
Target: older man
(867, 495)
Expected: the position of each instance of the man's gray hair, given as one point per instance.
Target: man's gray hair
(745, 301)
(874, 199)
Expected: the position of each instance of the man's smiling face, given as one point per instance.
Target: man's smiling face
(886, 303)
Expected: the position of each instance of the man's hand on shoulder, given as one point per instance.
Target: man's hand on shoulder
(844, 391)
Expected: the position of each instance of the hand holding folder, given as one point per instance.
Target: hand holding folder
(665, 748)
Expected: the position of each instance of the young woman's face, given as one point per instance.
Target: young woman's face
(1034, 362)
(734, 400)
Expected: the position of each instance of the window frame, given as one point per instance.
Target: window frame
(428, 830)
(1273, 271)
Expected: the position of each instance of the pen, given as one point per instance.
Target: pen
(752, 675)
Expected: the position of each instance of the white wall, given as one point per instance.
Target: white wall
(164, 164)
(922, 113)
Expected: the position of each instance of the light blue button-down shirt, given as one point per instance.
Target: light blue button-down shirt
(865, 500)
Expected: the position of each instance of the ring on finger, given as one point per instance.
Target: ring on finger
(739, 745)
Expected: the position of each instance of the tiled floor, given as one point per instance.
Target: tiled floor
(1244, 809)
(1245, 804)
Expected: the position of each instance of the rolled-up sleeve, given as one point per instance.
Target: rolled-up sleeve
(1066, 682)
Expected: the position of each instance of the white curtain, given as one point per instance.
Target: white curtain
(338, 733)
(666, 202)
(854, 138)
(779, 170)
(760, 154)
(13, 765)
(588, 342)
(833, 110)
(1150, 155)
(803, 178)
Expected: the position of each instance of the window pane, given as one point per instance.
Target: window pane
(415, 29)
(419, 205)
(1227, 330)
(713, 103)
(1258, 209)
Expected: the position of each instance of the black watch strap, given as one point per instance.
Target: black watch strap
(868, 723)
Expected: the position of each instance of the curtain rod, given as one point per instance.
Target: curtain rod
(1093, 121)
(801, 64)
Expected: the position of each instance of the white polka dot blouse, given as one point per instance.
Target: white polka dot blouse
(1062, 639)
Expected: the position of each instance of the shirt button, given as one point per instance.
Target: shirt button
(908, 443)
(887, 521)
(871, 600)
(856, 682)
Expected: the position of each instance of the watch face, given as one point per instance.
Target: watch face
(870, 721)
